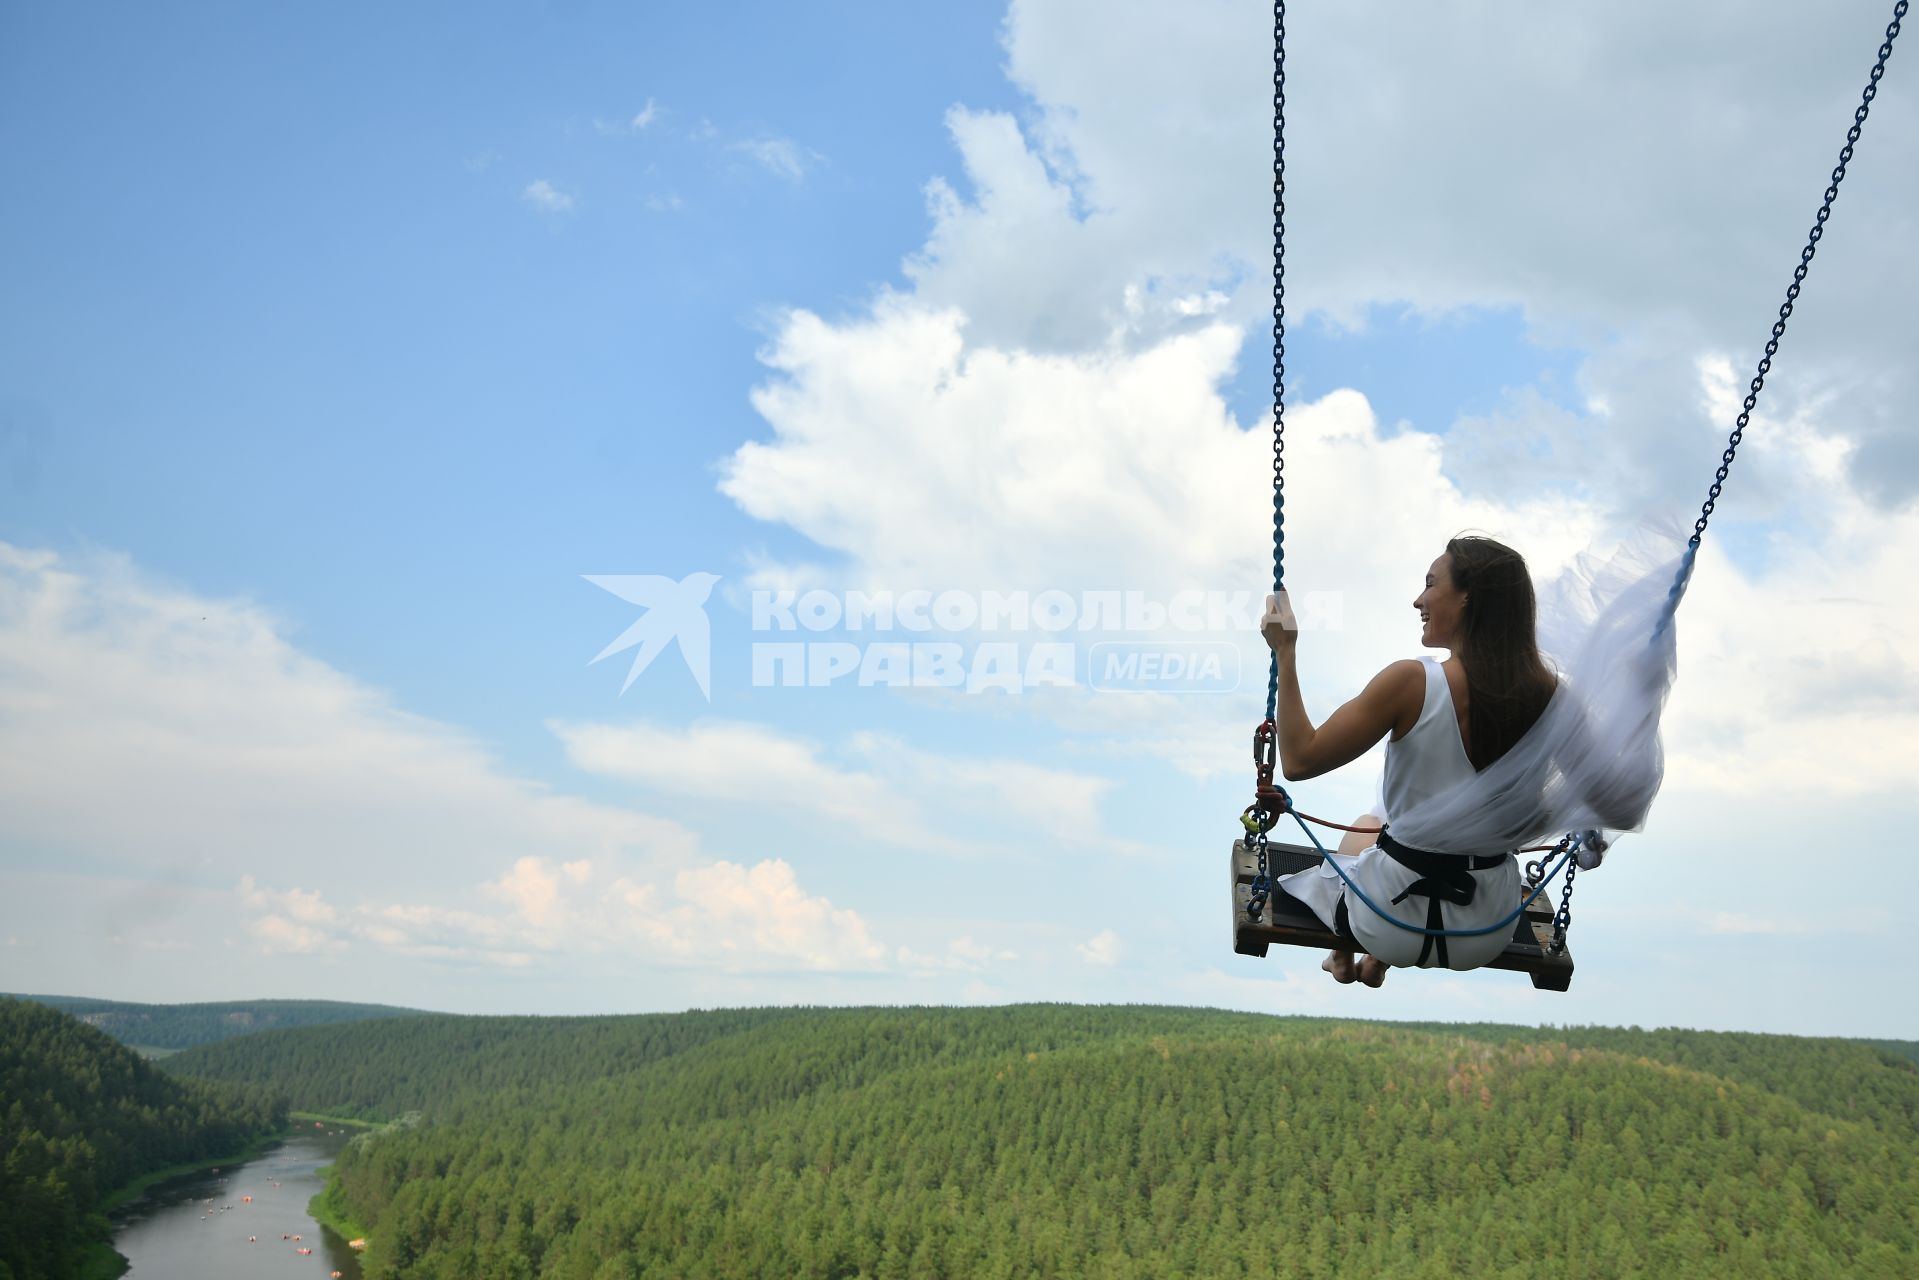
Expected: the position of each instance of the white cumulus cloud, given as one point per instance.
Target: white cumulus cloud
(318, 819)
(1050, 385)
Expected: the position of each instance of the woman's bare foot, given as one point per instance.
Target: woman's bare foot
(1340, 965)
(1371, 972)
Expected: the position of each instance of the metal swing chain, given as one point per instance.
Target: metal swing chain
(1262, 889)
(1536, 873)
(1279, 322)
(1261, 815)
(1262, 883)
(1267, 799)
(1563, 918)
(1536, 869)
(1798, 279)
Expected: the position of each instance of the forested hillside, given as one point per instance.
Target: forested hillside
(181, 1026)
(1062, 1140)
(81, 1114)
(1907, 1049)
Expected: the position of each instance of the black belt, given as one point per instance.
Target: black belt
(1443, 877)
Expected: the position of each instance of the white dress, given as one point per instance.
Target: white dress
(1430, 759)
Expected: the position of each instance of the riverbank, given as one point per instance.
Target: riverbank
(326, 1207)
(100, 1261)
(122, 1195)
(329, 1212)
(344, 1122)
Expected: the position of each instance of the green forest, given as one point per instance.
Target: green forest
(166, 1027)
(1083, 1141)
(82, 1115)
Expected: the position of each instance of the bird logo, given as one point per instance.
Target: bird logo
(674, 611)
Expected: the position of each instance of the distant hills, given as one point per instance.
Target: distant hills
(1063, 1140)
(168, 1027)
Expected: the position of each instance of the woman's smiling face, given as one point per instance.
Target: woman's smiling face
(1441, 606)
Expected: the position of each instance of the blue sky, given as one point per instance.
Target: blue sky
(362, 335)
(339, 333)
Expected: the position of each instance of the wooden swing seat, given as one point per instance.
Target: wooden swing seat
(1290, 924)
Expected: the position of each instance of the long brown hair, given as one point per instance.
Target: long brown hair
(1508, 683)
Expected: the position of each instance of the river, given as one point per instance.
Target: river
(199, 1225)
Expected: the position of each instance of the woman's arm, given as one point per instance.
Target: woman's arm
(1390, 702)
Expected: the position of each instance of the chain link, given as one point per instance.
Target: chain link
(1563, 918)
(1798, 276)
(1279, 294)
(1568, 846)
(1260, 816)
(1279, 328)
(1262, 882)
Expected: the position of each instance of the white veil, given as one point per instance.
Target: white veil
(1593, 759)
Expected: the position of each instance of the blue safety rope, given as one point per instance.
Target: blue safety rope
(1567, 848)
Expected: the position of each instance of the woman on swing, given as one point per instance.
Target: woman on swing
(1444, 722)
